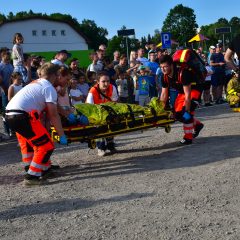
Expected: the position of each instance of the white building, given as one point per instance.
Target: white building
(42, 34)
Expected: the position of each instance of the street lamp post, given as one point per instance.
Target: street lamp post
(127, 48)
(125, 33)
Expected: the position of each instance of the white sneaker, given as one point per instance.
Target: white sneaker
(101, 153)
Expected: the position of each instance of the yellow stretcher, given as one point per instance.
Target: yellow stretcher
(90, 133)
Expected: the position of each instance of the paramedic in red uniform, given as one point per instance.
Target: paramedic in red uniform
(187, 93)
(103, 92)
(23, 114)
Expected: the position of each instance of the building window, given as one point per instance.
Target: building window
(44, 32)
(34, 32)
(53, 32)
(63, 33)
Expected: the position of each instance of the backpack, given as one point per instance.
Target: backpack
(189, 59)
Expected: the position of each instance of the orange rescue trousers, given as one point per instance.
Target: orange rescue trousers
(179, 105)
(34, 140)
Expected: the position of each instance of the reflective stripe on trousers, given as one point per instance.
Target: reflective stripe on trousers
(41, 145)
(188, 130)
(26, 150)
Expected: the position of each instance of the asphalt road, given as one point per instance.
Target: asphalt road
(153, 188)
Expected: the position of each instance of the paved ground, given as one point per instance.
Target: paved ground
(152, 189)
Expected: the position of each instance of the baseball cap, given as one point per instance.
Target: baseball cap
(142, 67)
(212, 47)
(66, 52)
(151, 51)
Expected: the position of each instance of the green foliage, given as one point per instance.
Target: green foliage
(96, 35)
(222, 21)
(157, 37)
(114, 44)
(181, 22)
(2, 18)
(209, 30)
(143, 42)
(119, 44)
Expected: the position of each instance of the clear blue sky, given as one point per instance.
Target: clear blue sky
(142, 15)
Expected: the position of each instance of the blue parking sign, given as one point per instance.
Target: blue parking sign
(166, 40)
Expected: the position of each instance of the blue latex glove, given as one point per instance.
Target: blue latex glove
(83, 120)
(187, 116)
(63, 140)
(72, 118)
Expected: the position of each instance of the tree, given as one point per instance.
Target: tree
(114, 44)
(209, 30)
(234, 21)
(149, 38)
(2, 18)
(157, 36)
(143, 42)
(181, 23)
(10, 16)
(96, 35)
(222, 21)
(235, 25)
(22, 14)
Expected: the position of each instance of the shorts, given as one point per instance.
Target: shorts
(217, 79)
(207, 85)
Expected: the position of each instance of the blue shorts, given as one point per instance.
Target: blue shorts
(217, 79)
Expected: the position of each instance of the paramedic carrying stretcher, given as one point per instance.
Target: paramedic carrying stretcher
(188, 92)
(23, 114)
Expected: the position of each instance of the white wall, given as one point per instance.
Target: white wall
(71, 41)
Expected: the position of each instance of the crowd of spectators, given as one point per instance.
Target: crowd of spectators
(18, 69)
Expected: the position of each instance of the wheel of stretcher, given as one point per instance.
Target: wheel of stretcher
(168, 129)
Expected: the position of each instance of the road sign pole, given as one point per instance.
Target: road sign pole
(125, 33)
(127, 49)
(223, 43)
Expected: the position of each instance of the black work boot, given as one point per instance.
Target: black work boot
(197, 130)
(30, 180)
(186, 141)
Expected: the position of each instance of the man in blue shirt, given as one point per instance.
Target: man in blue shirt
(153, 66)
(217, 80)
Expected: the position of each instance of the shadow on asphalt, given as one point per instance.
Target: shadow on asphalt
(65, 205)
(203, 151)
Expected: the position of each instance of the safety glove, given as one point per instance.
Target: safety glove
(83, 120)
(186, 117)
(63, 140)
(72, 118)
